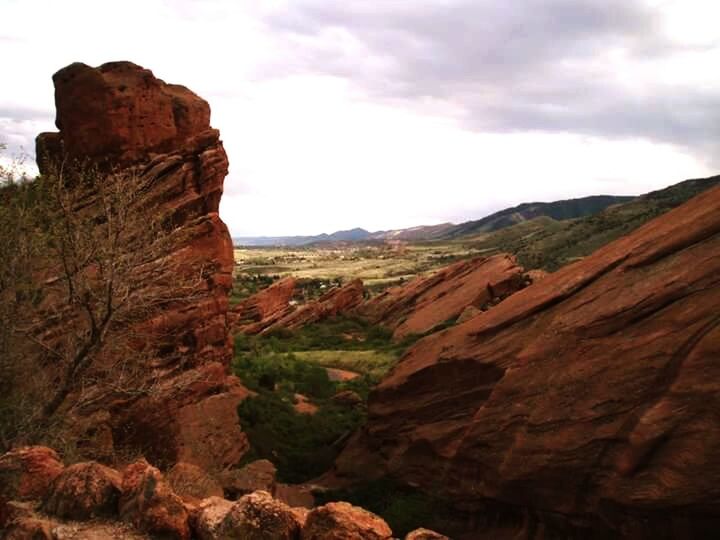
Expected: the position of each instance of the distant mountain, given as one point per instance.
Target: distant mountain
(548, 243)
(351, 235)
(557, 212)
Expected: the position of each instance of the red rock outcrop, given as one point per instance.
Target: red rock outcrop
(150, 504)
(587, 401)
(334, 302)
(28, 472)
(84, 491)
(425, 302)
(343, 521)
(264, 308)
(121, 117)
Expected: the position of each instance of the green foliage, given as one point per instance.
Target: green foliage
(284, 363)
(404, 508)
(301, 446)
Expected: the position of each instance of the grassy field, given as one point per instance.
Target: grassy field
(378, 266)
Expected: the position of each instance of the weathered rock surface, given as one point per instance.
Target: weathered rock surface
(590, 398)
(84, 491)
(120, 116)
(425, 302)
(28, 472)
(211, 513)
(254, 314)
(258, 516)
(334, 302)
(343, 521)
(256, 476)
(425, 534)
(191, 482)
(149, 503)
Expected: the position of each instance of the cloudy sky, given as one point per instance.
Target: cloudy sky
(393, 113)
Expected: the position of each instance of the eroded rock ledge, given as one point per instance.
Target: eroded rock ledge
(588, 401)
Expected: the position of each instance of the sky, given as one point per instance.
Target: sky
(387, 114)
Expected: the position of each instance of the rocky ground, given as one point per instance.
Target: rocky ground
(41, 499)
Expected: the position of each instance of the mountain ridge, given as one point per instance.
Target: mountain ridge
(562, 209)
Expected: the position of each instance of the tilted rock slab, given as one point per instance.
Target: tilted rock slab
(592, 396)
(427, 301)
(121, 116)
(263, 308)
(337, 301)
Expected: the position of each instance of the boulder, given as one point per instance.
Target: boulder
(149, 503)
(256, 476)
(210, 515)
(343, 521)
(28, 472)
(258, 516)
(192, 482)
(84, 491)
(425, 534)
(587, 400)
(428, 301)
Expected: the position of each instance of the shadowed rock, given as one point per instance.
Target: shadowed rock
(425, 302)
(589, 398)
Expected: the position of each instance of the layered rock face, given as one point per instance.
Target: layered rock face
(427, 302)
(335, 302)
(587, 402)
(254, 314)
(121, 118)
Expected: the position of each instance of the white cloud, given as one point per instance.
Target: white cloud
(324, 133)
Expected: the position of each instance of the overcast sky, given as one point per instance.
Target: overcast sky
(393, 113)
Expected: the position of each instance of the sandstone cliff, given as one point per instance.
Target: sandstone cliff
(121, 118)
(425, 302)
(586, 404)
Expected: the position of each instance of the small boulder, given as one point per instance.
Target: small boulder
(347, 398)
(84, 491)
(343, 521)
(209, 516)
(191, 482)
(256, 476)
(29, 528)
(425, 534)
(27, 473)
(149, 503)
(258, 516)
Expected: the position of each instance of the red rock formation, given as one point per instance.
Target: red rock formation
(339, 300)
(426, 302)
(341, 521)
(28, 473)
(589, 399)
(120, 116)
(264, 308)
(84, 491)
(149, 503)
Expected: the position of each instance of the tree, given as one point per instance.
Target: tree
(82, 272)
